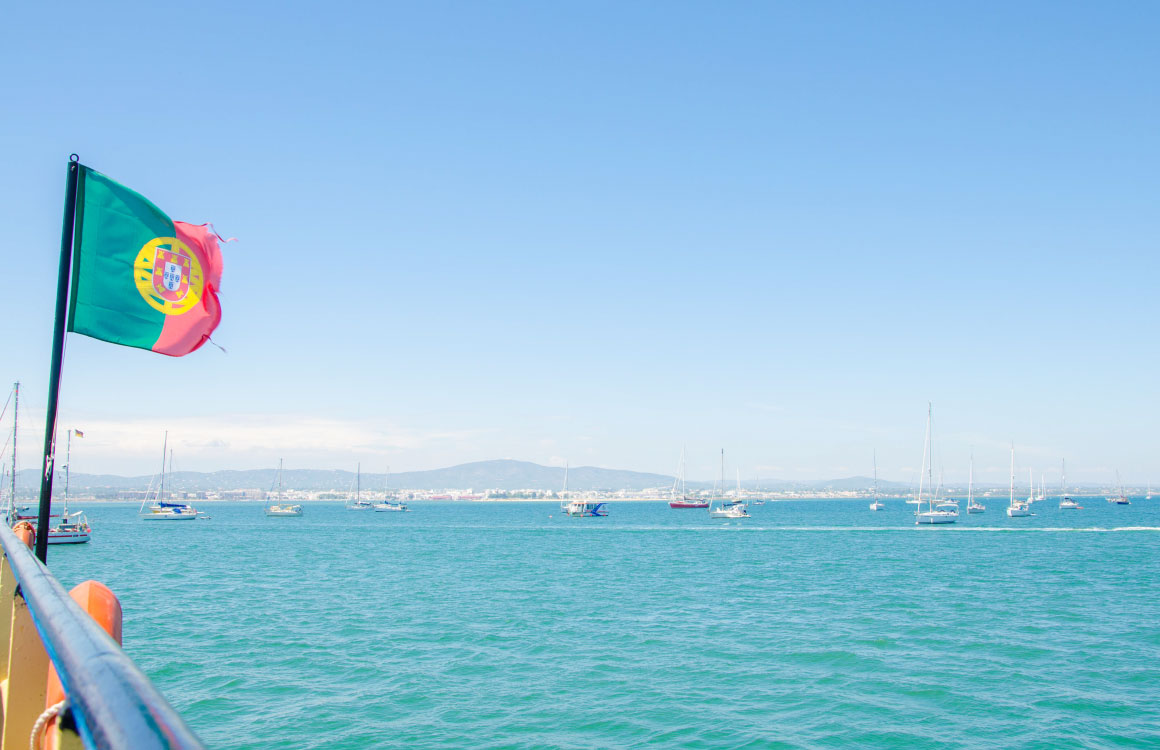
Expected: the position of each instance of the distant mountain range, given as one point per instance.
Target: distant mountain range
(502, 474)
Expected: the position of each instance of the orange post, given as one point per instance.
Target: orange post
(101, 604)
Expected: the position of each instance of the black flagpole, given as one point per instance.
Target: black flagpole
(62, 283)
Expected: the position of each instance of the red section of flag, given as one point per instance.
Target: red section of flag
(185, 333)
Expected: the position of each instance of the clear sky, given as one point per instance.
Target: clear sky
(599, 231)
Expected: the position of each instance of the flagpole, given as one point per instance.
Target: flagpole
(62, 283)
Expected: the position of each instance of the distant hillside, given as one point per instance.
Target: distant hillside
(480, 475)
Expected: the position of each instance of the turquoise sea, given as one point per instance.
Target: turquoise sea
(505, 625)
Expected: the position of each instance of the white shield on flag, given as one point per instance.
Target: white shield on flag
(172, 277)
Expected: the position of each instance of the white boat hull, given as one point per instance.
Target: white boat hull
(935, 517)
(877, 506)
(1018, 512)
(286, 513)
(168, 516)
(68, 537)
(390, 509)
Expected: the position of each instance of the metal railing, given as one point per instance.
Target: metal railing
(112, 703)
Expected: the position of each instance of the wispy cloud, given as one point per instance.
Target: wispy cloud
(249, 439)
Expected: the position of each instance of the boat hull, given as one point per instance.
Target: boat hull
(168, 516)
(1018, 512)
(68, 537)
(680, 504)
(931, 518)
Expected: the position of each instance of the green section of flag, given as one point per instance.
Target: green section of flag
(113, 223)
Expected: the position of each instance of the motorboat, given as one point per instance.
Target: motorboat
(584, 508)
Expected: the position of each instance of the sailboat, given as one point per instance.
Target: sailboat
(161, 509)
(1120, 499)
(280, 508)
(972, 506)
(73, 528)
(69, 528)
(388, 505)
(1065, 502)
(1016, 508)
(945, 503)
(931, 515)
(728, 509)
(877, 504)
(681, 499)
(1149, 495)
(358, 503)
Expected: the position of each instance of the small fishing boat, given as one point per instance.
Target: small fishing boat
(281, 507)
(584, 508)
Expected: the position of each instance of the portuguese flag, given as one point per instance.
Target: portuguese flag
(139, 278)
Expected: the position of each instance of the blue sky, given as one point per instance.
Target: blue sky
(597, 232)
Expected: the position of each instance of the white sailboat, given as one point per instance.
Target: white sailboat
(280, 508)
(877, 504)
(972, 505)
(1065, 502)
(161, 509)
(388, 505)
(1015, 508)
(358, 503)
(728, 509)
(1120, 499)
(65, 528)
(931, 515)
(73, 528)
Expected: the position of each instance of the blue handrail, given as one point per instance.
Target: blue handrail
(114, 704)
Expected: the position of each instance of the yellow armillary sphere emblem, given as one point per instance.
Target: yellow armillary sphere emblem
(168, 275)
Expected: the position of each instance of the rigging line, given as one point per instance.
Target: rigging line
(5, 409)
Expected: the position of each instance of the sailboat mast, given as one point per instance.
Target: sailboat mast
(15, 414)
(357, 481)
(875, 475)
(67, 461)
(164, 452)
(1011, 493)
(971, 482)
(930, 450)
